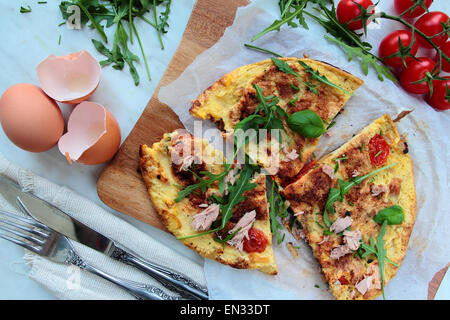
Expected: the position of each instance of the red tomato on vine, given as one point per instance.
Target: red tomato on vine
(415, 71)
(431, 24)
(445, 48)
(441, 92)
(390, 45)
(348, 10)
(402, 5)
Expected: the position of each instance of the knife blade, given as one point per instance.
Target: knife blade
(75, 230)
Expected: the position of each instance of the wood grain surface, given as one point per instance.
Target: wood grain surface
(120, 185)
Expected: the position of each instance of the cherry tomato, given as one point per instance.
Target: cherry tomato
(389, 46)
(378, 150)
(446, 50)
(256, 241)
(437, 99)
(403, 5)
(430, 25)
(415, 71)
(347, 10)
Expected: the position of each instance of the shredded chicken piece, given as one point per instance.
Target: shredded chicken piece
(329, 171)
(374, 271)
(351, 243)
(291, 155)
(363, 285)
(352, 239)
(341, 224)
(379, 189)
(299, 213)
(187, 163)
(339, 252)
(203, 220)
(371, 280)
(243, 225)
(355, 173)
(231, 178)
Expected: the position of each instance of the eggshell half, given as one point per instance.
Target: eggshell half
(69, 79)
(93, 135)
(30, 119)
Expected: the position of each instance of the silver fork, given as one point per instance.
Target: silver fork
(40, 239)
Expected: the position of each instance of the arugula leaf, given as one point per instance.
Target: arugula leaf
(284, 67)
(204, 183)
(163, 18)
(102, 14)
(235, 196)
(241, 185)
(344, 187)
(127, 55)
(367, 59)
(262, 49)
(25, 10)
(307, 123)
(287, 17)
(275, 210)
(393, 215)
(379, 252)
(316, 75)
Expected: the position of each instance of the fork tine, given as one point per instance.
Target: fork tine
(37, 232)
(23, 235)
(20, 243)
(31, 220)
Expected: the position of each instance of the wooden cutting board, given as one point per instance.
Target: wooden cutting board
(120, 185)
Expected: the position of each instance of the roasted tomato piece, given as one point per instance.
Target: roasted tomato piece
(378, 150)
(343, 280)
(256, 241)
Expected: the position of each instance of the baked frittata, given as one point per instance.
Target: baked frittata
(233, 98)
(350, 235)
(246, 240)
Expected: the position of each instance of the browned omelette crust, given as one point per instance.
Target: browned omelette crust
(310, 193)
(163, 178)
(233, 98)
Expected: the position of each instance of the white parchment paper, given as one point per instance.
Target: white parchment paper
(427, 133)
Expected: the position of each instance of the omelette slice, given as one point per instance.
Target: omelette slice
(357, 207)
(233, 98)
(246, 240)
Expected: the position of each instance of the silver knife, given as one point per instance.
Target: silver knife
(75, 230)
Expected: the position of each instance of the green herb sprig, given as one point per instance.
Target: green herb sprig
(351, 42)
(235, 196)
(25, 9)
(101, 14)
(284, 67)
(277, 208)
(338, 194)
(378, 251)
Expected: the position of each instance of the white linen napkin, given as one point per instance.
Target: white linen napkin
(70, 282)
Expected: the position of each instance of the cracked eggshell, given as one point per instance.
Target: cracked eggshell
(71, 78)
(30, 119)
(93, 135)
